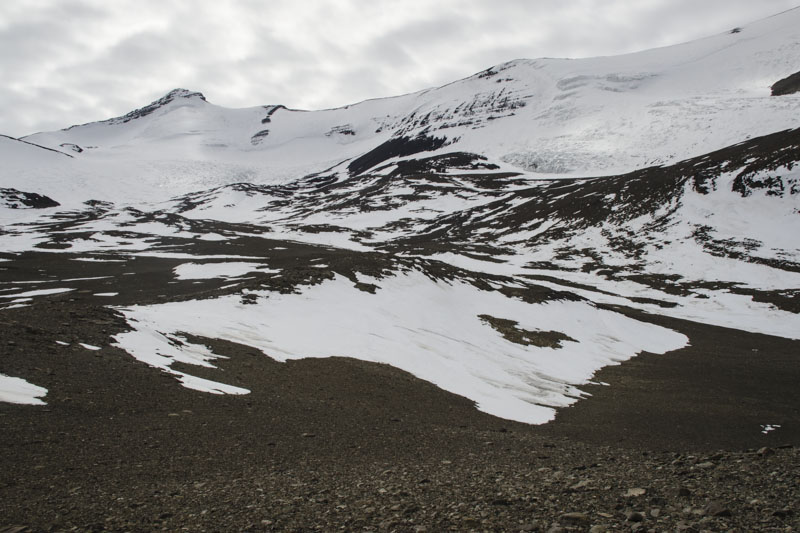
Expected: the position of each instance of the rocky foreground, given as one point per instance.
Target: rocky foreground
(677, 442)
(500, 482)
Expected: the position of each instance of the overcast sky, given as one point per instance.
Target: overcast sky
(65, 62)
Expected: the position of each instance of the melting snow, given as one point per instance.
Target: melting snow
(179, 255)
(39, 292)
(89, 346)
(231, 269)
(17, 390)
(98, 260)
(430, 329)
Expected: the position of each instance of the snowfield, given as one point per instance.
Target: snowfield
(430, 329)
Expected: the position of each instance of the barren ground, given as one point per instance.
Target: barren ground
(340, 444)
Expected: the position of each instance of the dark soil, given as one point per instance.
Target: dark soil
(339, 444)
(511, 331)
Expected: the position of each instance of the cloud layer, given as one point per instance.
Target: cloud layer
(72, 61)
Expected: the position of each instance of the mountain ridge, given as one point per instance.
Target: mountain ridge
(592, 116)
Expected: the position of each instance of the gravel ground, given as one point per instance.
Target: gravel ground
(673, 444)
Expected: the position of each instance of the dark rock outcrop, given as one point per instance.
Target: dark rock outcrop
(396, 147)
(161, 102)
(788, 85)
(14, 199)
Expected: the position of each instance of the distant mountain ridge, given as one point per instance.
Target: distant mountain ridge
(595, 116)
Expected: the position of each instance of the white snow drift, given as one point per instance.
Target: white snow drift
(430, 329)
(17, 390)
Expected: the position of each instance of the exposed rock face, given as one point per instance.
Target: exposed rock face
(161, 102)
(14, 199)
(788, 85)
(72, 146)
(396, 147)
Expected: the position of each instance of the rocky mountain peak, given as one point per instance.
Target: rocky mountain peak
(168, 98)
(180, 93)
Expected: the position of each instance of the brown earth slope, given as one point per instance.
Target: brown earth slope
(673, 443)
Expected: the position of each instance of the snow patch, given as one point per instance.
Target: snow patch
(17, 390)
(231, 269)
(39, 292)
(89, 346)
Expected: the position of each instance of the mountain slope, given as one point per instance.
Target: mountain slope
(502, 236)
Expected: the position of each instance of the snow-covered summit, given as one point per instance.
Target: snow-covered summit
(176, 94)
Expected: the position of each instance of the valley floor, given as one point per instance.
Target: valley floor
(674, 443)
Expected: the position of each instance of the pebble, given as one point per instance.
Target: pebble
(715, 508)
(635, 492)
(580, 485)
(575, 518)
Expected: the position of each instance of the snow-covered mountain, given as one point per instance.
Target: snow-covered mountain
(501, 236)
(581, 117)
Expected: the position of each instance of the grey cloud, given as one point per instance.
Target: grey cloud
(43, 109)
(30, 47)
(417, 43)
(71, 61)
